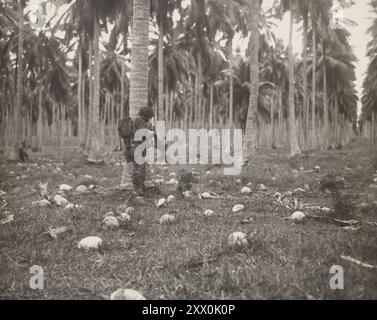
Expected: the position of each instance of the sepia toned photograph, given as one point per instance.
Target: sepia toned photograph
(188, 150)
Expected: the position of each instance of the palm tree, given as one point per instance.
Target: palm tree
(14, 155)
(369, 97)
(139, 71)
(249, 147)
(164, 21)
(46, 68)
(304, 11)
(229, 17)
(95, 155)
(294, 145)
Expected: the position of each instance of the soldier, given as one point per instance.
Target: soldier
(146, 114)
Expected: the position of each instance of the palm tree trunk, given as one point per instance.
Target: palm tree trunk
(167, 105)
(39, 121)
(293, 139)
(90, 100)
(336, 122)
(199, 90)
(14, 154)
(272, 116)
(231, 84)
(79, 92)
(325, 101)
(249, 147)
(161, 70)
(280, 119)
(186, 116)
(305, 76)
(95, 155)
(373, 127)
(139, 72)
(211, 108)
(314, 93)
(193, 102)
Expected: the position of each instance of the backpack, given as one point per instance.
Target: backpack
(125, 129)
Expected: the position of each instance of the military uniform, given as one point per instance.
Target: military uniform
(138, 170)
(139, 173)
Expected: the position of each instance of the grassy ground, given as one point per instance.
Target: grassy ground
(189, 259)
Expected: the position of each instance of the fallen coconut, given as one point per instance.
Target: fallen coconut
(261, 187)
(238, 208)
(126, 294)
(124, 217)
(187, 194)
(327, 210)
(170, 199)
(81, 189)
(88, 177)
(246, 190)
(207, 195)
(42, 203)
(65, 187)
(298, 217)
(172, 182)
(161, 203)
(70, 206)
(166, 219)
(208, 213)
(110, 223)
(238, 239)
(60, 201)
(90, 243)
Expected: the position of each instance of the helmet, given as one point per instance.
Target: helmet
(146, 113)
